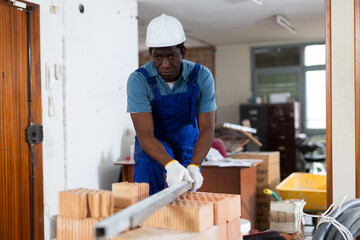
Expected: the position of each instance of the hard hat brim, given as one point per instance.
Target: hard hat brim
(167, 44)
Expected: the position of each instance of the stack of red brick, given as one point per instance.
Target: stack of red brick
(197, 215)
(208, 215)
(80, 209)
(127, 194)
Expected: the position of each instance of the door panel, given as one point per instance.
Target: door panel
(15, 214)
(2, 175)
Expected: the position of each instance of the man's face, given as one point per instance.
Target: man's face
(167, 62)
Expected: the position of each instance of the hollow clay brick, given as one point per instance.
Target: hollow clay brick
(73, 203)
(82, 203)
(235, 205)
(101, 203)
(75, 229)
(94, 204)
(233, 229)
(226, 206)
(234, 201)
(126, 194)
(143, 191)
(107, 203)
(183, 215)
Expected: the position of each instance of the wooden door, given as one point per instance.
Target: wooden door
(16, 218)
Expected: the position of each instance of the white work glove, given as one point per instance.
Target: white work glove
(195, 173)
(175, 173)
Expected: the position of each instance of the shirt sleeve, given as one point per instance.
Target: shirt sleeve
(206, 102)
(138, 97)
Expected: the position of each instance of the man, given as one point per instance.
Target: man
(172, 105)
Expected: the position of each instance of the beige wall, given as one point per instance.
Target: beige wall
(233, 80)
(233, 77)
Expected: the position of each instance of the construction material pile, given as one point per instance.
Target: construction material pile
(193, 215)
(80, 209)
(210, 216)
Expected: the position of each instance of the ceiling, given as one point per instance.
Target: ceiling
(222, 22)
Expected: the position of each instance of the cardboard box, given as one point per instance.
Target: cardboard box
(267, 172)
(267, 176)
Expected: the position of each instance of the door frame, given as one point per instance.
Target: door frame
(37, 118)
(329, 98)
(329, 172)
(357, 94)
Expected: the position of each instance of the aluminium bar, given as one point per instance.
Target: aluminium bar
(132, 216)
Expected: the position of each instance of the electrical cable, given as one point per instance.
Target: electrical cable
(357, 233)
(347, 220)
(324, 228)
(355, 228)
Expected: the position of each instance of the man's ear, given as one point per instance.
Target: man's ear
(183, 52)
(150, 50)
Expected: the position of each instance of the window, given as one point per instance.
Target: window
(296, 69)
(278, 83)
(315, 55)
(315, 86)
(315, 94)
(277, 57)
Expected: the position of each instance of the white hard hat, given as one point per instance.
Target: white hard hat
(164, 31)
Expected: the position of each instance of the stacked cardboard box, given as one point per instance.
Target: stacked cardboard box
(267, 176)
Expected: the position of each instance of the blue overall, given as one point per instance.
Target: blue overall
(175, 126)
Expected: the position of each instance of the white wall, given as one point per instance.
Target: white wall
(90, 129)
(343, 116)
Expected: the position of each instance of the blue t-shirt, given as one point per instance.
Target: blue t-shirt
(139, 93)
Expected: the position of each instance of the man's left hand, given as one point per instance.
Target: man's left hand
(194, 171)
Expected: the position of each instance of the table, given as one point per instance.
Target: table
(229, 179)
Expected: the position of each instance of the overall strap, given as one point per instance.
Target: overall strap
(195, 91)
(194, 74)
(151, 81)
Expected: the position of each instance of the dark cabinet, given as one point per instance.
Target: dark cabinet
(258, 116)
(283, 125)
(277, 126)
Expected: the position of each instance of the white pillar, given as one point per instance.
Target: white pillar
(343, 103)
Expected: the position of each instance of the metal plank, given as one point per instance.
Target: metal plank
(132, 216)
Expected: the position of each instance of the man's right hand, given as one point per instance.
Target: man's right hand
(176, 173)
